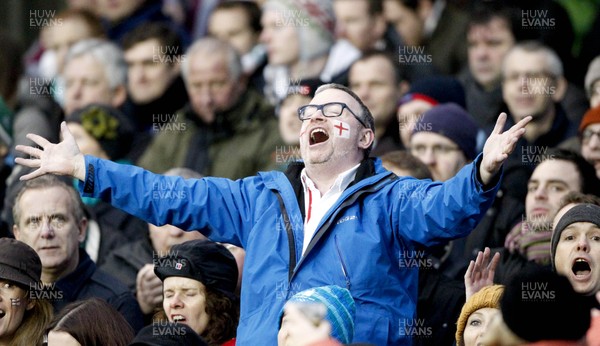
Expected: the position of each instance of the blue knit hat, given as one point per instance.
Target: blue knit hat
(452, 121)
(340, 309)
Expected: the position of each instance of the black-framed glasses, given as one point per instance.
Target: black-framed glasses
(329, 110)
(587, 135)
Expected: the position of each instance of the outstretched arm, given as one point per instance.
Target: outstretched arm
(499, 145)
(481, 272)
(63, 158)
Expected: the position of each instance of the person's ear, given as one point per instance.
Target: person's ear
(82, 227)
(560, 88)
(176, 66)
(30, 304)
(366, 138)
(16, 232)
(119, 96)
(403, 87)
(324, 330)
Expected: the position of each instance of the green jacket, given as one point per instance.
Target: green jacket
(241, 142)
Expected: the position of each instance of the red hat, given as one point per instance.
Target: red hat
(592, 116)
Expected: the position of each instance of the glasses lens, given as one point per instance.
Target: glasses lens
(332, 109)
(588, 134)
(307, 111)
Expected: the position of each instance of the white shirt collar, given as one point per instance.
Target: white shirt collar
(340, 184)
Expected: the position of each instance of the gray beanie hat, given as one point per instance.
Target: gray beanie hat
(592, 75)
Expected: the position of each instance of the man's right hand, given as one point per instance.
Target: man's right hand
(63, 158)
(481, 272)
(148, 289)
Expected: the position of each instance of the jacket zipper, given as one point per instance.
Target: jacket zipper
(348, 201)
(290, 235)
(337, 247)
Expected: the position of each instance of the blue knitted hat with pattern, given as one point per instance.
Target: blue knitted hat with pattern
(340, 309)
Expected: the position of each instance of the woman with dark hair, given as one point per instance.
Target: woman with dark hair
(199, 281)
(23, 314)
(89, 322)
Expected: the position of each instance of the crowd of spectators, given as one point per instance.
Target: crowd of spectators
(208, 93)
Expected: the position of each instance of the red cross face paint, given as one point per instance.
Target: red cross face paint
(341, 129)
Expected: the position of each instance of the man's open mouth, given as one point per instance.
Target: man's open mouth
(581, 267)
(318, 136)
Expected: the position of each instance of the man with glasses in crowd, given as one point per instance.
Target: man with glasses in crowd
(532, 85)
(336, 218)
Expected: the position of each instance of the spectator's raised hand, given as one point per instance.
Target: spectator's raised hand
(499, 145)
(481, 272)
(148, 289)
(63, 158)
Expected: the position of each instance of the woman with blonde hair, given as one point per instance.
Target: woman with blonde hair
(476, 315)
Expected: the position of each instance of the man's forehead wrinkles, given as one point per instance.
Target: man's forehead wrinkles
(45, 214)
(335, 95)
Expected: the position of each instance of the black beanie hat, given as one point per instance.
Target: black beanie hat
(580, 213)
(539, 304)
(202, 260)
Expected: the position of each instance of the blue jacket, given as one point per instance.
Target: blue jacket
(364, 243)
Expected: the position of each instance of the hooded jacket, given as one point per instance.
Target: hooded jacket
(365, 242)
(241, 141)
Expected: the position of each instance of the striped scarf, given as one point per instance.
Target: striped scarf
(531, 242)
